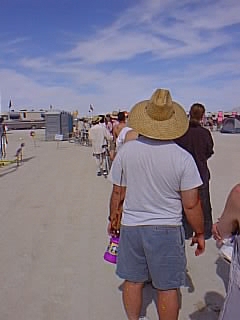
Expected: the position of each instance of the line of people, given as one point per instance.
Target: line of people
(105, 131)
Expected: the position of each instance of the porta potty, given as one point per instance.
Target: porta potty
(57, 123)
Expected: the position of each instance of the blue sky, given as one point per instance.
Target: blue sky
(114, 53)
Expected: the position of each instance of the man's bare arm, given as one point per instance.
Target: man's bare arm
(116, 204)
(193, 211)
(230, 219)
(115, 132)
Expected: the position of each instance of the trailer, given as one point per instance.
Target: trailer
(24, 124)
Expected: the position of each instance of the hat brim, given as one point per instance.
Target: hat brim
(96, 119)
(170, 129)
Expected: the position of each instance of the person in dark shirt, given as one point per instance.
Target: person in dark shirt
(198, 141)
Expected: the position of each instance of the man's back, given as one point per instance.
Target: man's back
(117, 129)
(154, 180)
(198, 141)
(98, 134)
(121, 124)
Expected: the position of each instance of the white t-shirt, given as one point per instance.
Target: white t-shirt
(98, 134)
(154, 173)
(121, 137)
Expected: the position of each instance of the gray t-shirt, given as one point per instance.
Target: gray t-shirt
(154, 173)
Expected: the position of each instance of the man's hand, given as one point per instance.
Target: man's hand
(200, 241)
(111, 231)
(109, 228)
(216, 235)
(215, 232)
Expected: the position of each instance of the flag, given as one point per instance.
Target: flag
(10, 104)
(91, 108)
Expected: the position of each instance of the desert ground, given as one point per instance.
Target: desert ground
(53, 219)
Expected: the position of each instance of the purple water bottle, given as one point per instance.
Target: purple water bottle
(111, 253)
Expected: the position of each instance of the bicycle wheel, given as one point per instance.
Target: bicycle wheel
(108, 164)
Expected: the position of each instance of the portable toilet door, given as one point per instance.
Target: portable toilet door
(53, 124)
(65, 125)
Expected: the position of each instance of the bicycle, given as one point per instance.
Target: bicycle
(81, 138)
(84, 138)
(106, 159)
(74, 138)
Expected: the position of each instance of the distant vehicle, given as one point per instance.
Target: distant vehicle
(23, 119)
(24, 124)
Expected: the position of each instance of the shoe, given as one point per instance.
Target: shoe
(105, 172)
(99, 173)
(226, 250)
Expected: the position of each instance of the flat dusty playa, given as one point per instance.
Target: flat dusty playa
(53, 219)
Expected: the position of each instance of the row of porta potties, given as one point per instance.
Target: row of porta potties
(58, 123)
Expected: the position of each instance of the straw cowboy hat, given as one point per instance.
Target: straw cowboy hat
(96, 119)
(159, 118)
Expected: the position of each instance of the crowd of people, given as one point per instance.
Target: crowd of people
(161, 196)
(104, 131)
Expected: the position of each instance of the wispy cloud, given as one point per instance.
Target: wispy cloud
(169, 31)
(11, 46)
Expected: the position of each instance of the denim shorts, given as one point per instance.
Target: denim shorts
(155, 253)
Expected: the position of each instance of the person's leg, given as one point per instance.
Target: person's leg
(166, 258)
(101, 161)
(1, 154)
(112, 151)
(132, 299)
(204, 195)
(3, 146)
(168, 304)
(104, 166)
(132, 267)
(98, 163)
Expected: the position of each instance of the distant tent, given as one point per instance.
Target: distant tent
(231, 125)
